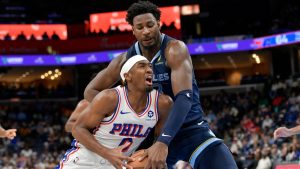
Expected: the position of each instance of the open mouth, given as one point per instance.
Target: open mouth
(149, 80)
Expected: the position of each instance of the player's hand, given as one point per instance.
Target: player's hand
(11, 133)
(157, 156)
(282, 132)
(116, 157)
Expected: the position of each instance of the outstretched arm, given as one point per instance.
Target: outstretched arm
(72, 119)
(9, 133)
(105, 79)
(285, 132)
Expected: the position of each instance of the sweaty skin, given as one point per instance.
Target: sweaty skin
(104, 104)
(146, 29)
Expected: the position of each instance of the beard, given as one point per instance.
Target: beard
(149, 89)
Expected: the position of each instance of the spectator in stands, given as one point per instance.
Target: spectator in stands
(265, 161)
(32, 37)
(45, 36)
(267, 122)
(7, 37)
(21, 36)
(55, 36)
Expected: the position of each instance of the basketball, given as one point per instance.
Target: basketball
(138, 164)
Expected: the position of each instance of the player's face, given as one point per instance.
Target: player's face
(146, 29)
(141, 75)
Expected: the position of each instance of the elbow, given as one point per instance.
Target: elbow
(69, 125)
(68, 128)
(90, 92)
(74, 131)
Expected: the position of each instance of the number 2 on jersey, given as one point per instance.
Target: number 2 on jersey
(124, 141)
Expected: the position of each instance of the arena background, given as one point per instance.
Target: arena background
(246, 58)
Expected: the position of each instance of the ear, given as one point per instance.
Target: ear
(127, 76)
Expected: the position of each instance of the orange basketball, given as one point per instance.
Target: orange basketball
(138, 164)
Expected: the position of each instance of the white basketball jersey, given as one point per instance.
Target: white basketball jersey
(124, 125)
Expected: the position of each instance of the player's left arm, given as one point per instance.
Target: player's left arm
(180, 63)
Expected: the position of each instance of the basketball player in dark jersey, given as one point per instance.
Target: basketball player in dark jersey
(186, 135)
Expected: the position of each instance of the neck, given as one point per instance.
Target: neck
(137, 99)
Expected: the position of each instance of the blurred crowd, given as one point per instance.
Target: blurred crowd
(41, 140)
(35, 90)
(245, 121)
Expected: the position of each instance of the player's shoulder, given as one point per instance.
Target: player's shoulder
(175, 43)
(108, 95)
(176, 48)
(106, 100)
(165, 100)
(121, 57)
(118, 60)
(176, 53)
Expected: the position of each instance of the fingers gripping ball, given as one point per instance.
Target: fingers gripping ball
(136, 164)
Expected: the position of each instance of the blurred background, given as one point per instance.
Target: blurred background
(246, 56)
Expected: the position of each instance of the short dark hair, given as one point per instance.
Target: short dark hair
(142, 7)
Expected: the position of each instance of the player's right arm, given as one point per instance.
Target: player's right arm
(103, 105)
(106, 78)
(72, 119)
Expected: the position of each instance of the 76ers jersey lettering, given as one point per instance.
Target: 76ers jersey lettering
(132, 130)
(123, 126)
(125, 123)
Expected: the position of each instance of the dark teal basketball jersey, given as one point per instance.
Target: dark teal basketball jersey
(162, 78)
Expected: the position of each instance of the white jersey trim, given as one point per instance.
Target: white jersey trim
(147, 107)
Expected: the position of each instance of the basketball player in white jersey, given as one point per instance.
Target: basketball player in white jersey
(123, 117)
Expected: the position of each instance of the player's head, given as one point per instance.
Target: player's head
(137, 71)
(144, 17)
